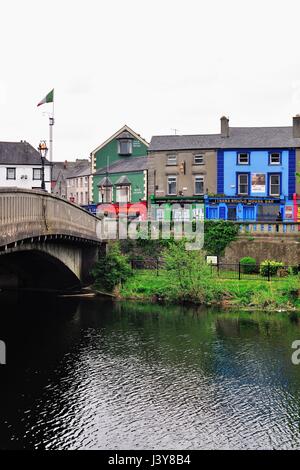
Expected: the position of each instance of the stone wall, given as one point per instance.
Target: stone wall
(280, 248)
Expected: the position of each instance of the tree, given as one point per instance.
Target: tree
(218, 234)
(112, 269)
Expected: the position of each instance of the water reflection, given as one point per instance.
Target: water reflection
(96, 375)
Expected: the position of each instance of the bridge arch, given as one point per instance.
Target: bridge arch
(45, 241)
(39, 268)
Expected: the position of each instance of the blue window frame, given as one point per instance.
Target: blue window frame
(242, 184)
(243, 158)
(274, 184)
(275, 158)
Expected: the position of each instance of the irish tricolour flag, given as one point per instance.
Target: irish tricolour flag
(48, 98)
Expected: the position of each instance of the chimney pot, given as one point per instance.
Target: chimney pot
(224, 126)
(296, 126)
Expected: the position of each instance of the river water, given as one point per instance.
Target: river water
(100, 375)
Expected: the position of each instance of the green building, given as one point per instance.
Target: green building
(119, 168)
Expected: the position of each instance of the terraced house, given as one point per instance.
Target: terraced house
(242, 173)
(119, 167)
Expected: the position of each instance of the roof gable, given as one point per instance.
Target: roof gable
(119, 132)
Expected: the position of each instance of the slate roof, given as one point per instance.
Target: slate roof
(125, 165)
(105, 182)
(19, 153)
(239, 137)
(123, 181)
(69, 168)
(80, 171)
(125, 135)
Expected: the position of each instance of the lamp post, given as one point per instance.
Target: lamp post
(43, 149)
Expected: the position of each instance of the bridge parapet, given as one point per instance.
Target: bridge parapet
(31, 213)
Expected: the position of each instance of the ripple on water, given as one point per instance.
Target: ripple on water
(150, 387)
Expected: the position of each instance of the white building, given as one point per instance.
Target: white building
(21, 166)
(79, 185)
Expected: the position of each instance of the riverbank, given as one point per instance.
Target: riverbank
(146, 285)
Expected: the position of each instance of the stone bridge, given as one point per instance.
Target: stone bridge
(45, 242)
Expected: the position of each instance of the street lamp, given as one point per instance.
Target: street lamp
(43, 149)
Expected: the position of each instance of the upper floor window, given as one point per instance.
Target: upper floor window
(123, 194)
(106, 194)
(243, 159)
(125, 146)
(37, 173)
(274, 158)
(172, 160)
(274, 185)
(172, 185)
(10, 173)
(243, 184)
(198, 159)
(199, 185)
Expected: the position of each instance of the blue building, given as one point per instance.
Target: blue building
(256, 174)
(246, 173)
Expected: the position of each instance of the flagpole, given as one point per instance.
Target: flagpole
(51, 124)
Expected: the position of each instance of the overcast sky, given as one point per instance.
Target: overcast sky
(154, 65)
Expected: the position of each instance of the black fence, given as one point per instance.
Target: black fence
(267, 271)
(238, 271)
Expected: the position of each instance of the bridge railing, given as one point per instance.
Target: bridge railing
(272, 228)
(26, 214)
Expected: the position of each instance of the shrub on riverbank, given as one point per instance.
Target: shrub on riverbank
(191, 278)
(112, 270)
(248, 265)
(270, 267)
(256, 294)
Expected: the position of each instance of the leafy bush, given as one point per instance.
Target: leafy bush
(218, 234)
(190, 276)
(270, 267)
(248, 265)
(112, 269)
(294, 270)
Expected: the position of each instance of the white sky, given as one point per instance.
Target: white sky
(154, 65)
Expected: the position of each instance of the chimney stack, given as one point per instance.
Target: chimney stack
(224, 126)
(296, 126)
(65, 164)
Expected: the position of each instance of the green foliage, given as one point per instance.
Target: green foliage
(248, 265)
(258, 294)
(218, 234)
(112, 269)
(270, 267)
(190, 276)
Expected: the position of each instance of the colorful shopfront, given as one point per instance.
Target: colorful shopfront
(248, 209)
(256, 185)
(180, 208)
